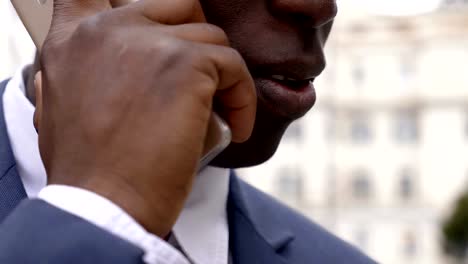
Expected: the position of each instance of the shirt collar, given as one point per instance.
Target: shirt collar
(201, 229)
(19, 114)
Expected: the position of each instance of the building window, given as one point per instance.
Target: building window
(361, 186)
(358, 74)
(407, 72)
(410, 247)
(331, 186)
(454, 3)
(406, 184)
(360, 129)
(361, 238)
(294, 132)
(330, 126)
(466, 124)
(406, 128)
(289, 183)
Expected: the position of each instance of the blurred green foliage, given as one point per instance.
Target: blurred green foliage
(455, 229)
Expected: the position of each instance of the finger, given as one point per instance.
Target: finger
(117, 3)
(236, 90)
(67, 14)
(72, 11)
(38, 90)
(171, 12)
(198, 32)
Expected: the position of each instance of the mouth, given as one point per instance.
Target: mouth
(286, 96)
(292, 83)
(285, 88)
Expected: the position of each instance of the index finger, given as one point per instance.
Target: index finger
(171, 12)
(117, 3)
(236, 92)
(69, 13)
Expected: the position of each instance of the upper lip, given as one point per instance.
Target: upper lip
(299, 69)
(280, 77)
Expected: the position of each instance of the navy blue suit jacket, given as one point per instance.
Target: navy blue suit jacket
(261, 229)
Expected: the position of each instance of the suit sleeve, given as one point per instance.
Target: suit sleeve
(105, 214)
(36, 232)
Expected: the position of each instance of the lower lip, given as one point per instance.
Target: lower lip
(285, 101)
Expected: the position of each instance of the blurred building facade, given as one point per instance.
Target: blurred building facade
(382, 157)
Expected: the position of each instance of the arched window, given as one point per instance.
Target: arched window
(358, 72)
(361, 186)
(406, 186)
(294, 132)
(410, 247)
(360, 127)
(406, 127)
(361, 237)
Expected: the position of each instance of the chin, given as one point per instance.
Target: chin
(243, 155)
(260, 147)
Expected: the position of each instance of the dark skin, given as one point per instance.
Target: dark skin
(268, 38)
(305, 27)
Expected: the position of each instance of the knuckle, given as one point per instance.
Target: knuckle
(91, 30)
(87, 26)
(171, 51)
(50, 57)
(190, 5)
(217, 32)
(197, 76)
(206, 83)
(233, 54)
(207, 90)
(49, 50)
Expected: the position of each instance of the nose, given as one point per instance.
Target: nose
(307, 13)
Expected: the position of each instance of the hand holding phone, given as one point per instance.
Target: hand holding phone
(127, 99)
(36, 15)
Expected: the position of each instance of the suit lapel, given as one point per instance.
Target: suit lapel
(256, 235)
(11, 188)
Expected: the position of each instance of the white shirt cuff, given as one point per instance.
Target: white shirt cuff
(108, 216)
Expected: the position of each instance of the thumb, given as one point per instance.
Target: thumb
(38, 91)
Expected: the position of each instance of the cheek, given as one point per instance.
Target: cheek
(230, 14)
(244, 21)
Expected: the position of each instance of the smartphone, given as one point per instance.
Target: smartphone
(36, 16)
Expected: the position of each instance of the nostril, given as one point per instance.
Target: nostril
(301, 18)
(309, 13)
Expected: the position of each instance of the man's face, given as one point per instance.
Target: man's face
(282, 42)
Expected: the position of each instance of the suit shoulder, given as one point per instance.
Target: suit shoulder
(55, 236)
(311, 241)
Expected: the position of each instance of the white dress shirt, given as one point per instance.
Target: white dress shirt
(201, 231)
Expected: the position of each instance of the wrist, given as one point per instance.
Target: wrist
(151, 215)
